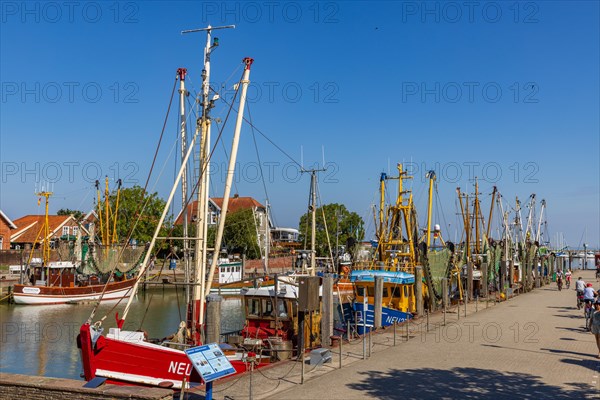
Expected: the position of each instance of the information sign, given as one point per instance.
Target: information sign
(210, 362)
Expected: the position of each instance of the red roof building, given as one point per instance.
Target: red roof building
(6, 228)
(29, 229)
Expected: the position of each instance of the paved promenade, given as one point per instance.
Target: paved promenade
(532, 346)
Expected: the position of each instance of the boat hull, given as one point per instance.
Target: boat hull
(39, 295)
(142, 363)
(389, 316)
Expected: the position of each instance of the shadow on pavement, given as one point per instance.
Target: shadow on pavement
(462, 383)
(568, 316)
(593, 364)
(575, 353)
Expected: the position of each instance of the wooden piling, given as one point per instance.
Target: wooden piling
(469, 292)
(419, 289)
(484, 279)
(327, 316)
(213, 318)
(378, 302)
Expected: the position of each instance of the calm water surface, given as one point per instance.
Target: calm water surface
(41, 340)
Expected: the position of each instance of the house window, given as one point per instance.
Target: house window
(212, 218)
(75, 230)
(65, 230)
(1, 242)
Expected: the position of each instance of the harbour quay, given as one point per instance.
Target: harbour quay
(520, 347)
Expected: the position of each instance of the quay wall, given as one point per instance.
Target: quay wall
(277, 265)
(14, 386)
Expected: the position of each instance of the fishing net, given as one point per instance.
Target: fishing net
(438, 266)
(104, 258)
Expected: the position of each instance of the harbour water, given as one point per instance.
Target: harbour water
(42, 340)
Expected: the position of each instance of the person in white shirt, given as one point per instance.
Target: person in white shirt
(589, 293)
(579, 285)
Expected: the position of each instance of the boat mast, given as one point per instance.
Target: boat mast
(313, 253)
(431, 176)
(539, 229)
(529, 228)
(46, 241)
(203, 125)
(181, 73)
(489, 222)
(230, 171)
(267, 237)
(476, 218)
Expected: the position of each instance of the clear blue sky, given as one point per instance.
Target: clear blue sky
(505, 91)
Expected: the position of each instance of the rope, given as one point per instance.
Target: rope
(137, 211)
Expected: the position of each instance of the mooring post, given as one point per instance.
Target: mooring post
(378, 302)
(484, 279)
(370, 329)
(445, 297)
(419, 289)
(327, 317)
(341, 344)
(469, 292)
(213, 318)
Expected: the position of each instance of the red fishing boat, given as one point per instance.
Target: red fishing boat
(128, 356)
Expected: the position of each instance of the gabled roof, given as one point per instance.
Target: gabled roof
(235, 204)
(28, 227)
(239, 203)
(10, 224)
(192, 210)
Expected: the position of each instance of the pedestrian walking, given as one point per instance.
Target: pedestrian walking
(595, 324)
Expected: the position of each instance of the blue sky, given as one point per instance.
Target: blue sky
(503, 91)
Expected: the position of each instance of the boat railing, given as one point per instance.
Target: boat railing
(176, 345)
(224, 337)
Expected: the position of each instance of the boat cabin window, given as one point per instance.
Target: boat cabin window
(371, 291)
(267, 308)
(253, 307)
(385, 292)
(282, 309)
(405, 290)
(395, 292)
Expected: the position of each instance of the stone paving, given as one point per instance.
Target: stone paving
(532, 346)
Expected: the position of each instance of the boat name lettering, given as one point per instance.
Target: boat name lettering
(180, 368)
(392, 319)
(31, 290)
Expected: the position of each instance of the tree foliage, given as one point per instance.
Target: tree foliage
(78, 215)
(240, 234)
(349, 225)
(135, 211)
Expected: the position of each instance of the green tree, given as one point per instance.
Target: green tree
(78, 215)
(138, 214)
(349, 225)
(240, 234)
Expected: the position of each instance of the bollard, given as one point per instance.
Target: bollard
(341, 344)
(251, 394)
(302, 369)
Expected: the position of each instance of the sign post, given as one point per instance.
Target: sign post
(210, 362)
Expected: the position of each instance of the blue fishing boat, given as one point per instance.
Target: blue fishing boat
(398, 297)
